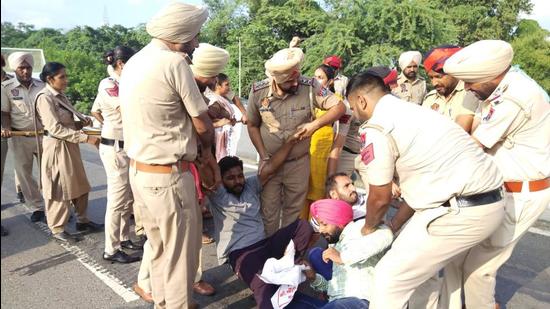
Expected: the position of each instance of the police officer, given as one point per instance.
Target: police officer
(278, 107)
(21, 92)
(162, 119)
(410, 86)
(340, 81)
(513, 126)
(111, 151)
(4, 140)
(449, 97)
(450, 183)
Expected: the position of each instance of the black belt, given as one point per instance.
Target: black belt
(350, 151)
(111, 142)
(477, 199)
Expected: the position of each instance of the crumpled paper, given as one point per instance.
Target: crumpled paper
(285, 273)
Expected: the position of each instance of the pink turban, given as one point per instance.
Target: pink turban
(332, 212)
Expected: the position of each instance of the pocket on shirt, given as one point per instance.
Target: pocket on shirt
(19, 107)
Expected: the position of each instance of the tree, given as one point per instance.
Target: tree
(532, 51)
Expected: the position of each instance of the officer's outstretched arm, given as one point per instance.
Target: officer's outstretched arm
(205, 130)
(378, 203)
(334, 113)
(276, 161)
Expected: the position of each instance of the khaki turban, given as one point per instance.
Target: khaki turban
(209, 60)
(177, 22)
(409, 57)
(480, 62)
(284, 64)
(16, 59)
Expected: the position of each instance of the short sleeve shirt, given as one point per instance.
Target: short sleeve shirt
(158, 97)
(433, 158)
(280, 117)
(515, 127)
(411, 92)
(237, 220)
(107, 101)
(20, 103)
(460, 102)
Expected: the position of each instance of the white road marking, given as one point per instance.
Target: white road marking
(539, 231)
(98, 270)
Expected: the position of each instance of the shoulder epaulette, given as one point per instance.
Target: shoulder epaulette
(260, 85)
(8, 82)
(305, 80)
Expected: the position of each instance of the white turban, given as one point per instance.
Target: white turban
(284, 64)
(16, 59)
(408, 57)
(480, 62)
(177, 22)
(209, 60)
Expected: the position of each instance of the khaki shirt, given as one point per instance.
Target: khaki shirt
(62, 172)
(348, 126)
(280, 117)
(460, 102)
(107, 102)
(411, 92)
(515, 127)
(20, 103)
(432, 157)
(158, 97)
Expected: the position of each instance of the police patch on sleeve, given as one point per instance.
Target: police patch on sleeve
(113, 92)
(323, 92)
(367, 154)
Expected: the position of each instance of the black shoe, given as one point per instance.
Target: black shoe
(65, 237)
(121, 257)
(38, 216)
(89, 227)
(21, 197)
(4, 231)
(140, 241)
(128, 244)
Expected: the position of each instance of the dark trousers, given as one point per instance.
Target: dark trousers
(249, 261)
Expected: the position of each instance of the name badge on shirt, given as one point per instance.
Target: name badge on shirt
(367, 154)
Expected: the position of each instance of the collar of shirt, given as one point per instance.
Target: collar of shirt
(53, 91)
(404, 79)
(496, 97)
(459, 87)
(17, 83)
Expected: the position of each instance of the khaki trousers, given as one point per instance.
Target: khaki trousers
(349, 163)
(284, 195)
(477, 268)
(431, 239)
(24, 150)
(171, 217)
(144, 274)
(57, 212)
(138, 221)
(119, 196)
(4, 150)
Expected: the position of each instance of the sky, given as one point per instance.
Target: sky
(66, 14)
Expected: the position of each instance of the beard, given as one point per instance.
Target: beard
(411, 75)
(332, 238)
(236, 190)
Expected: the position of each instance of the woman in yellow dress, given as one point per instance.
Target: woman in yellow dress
(321, 145)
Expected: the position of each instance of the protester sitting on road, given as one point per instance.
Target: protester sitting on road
(63, 178)
(239, 230)
(350, 258)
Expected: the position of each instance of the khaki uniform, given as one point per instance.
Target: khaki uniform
(411, 92)
(460, 102)
(435, 162)
(116, 163)
(4, 148)
(158, 129)
(20, 106)
(278, 118)
(515, 127)
(62, 172)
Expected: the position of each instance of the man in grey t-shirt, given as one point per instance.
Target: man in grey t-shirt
(239, 230)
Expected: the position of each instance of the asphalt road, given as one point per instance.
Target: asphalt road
(37, 272)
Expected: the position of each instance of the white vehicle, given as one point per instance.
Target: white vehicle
(37, 54)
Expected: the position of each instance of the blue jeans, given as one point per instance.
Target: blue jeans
(347, 303)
